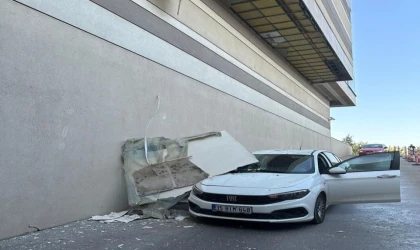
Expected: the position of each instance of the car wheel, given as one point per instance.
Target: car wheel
(319, 209)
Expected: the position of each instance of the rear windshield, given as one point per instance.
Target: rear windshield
(373, 146)
(285, 164)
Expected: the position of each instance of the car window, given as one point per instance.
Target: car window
(373, 146)
(367, 163)
(322, 165)
(331, 157)
(286, 164)
(338, 158)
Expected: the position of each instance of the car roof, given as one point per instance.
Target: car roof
(287, 152)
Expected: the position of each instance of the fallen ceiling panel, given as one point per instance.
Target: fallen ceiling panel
(172, 166)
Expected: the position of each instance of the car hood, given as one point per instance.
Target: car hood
(257, 180)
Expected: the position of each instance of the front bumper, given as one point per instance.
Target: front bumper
(300, 210)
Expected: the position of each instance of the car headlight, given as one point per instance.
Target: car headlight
(197, 192)
(289, 195)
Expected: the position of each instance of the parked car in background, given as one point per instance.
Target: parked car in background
(372, 148)
(296, 186)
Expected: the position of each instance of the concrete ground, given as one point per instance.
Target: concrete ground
(365, 226)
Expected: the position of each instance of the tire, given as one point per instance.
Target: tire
(319, 209)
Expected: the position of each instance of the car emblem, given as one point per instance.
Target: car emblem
(231, 198)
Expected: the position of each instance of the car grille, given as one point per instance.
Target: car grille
(291, 213)
(239, 199)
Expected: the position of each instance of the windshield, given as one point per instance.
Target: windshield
(372, 146)
(285, 164)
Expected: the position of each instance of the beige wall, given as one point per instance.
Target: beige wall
(208, 24)
(333, 27)
(343, 15)
(340, 149)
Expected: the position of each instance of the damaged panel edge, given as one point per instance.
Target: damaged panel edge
(178, 164)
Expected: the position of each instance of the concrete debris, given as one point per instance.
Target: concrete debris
(116, 217)
(161, 209)
(157, 210)
(127, 218)
(147, 227)
(179, 218)
(185, 214)
(164, 178)
(110, 216)
(188, 226)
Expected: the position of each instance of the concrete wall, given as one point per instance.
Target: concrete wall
(326, 24)
(340, 149)
(72, 94)
(213, 22)
(339, 22)
(344, 13)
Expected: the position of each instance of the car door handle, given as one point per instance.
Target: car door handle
(386, 176)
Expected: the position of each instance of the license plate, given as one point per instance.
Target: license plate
(231, 209)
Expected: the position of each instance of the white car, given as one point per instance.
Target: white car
(296, 186)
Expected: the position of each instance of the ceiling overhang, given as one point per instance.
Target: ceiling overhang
(339, 94)
(290, 29)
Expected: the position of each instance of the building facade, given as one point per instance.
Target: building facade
(80, 77)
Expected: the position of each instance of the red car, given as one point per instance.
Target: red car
(372, 148)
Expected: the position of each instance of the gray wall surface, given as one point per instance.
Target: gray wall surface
(240, 46)
(340, 149)
(68, 101)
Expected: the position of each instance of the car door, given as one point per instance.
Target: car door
(368, 179)
(323, 164)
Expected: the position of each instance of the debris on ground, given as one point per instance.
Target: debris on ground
(110, 216)
(116, 217)
(179, 218)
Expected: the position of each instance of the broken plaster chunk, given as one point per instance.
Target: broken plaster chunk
(116, 217)
(110, 216)
(180, 218)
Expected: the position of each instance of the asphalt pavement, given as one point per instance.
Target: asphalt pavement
(363, 226)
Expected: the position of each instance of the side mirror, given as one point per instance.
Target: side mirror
(337, 170)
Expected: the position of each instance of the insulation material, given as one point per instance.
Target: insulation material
(177, 164)
(167, 176)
